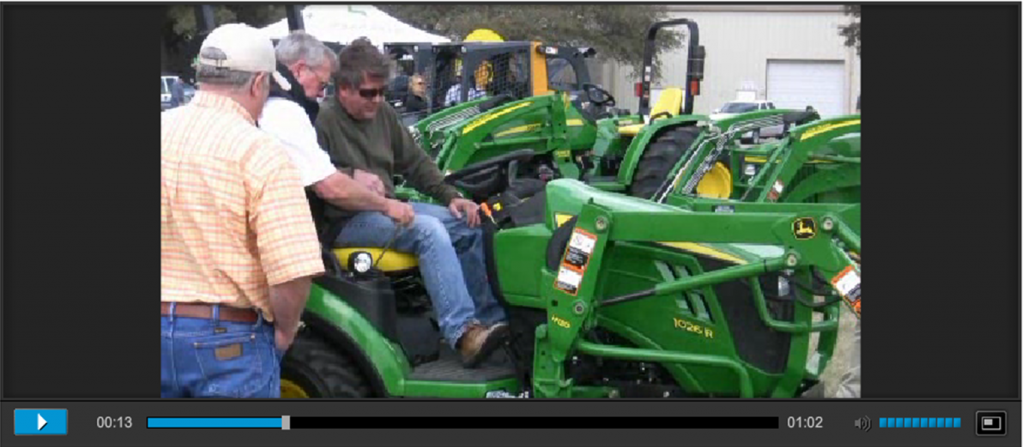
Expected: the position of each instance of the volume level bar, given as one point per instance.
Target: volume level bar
(213, 422)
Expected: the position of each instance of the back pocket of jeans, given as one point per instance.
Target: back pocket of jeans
(230, 364)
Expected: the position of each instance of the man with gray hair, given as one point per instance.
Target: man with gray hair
(289, 115)
(238, 247)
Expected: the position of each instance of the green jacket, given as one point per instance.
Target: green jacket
(381, 146)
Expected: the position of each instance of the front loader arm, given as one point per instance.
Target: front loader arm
(796, 149)
(816, 243)
(537, 122)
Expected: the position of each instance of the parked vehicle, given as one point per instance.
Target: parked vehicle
(734, 108)
(165, 92)
(167, 97)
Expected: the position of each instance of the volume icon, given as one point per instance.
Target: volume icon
(863, 423)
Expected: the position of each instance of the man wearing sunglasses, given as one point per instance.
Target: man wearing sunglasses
(289, 115)
(361, 131)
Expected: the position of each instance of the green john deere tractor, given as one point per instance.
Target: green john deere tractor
(607, 295)
(581, 135)
(675, 150)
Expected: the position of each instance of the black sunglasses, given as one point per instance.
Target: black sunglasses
(370, 93)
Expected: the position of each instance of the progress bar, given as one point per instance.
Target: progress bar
(425, 422)
(217, 422)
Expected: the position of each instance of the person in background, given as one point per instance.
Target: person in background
(177, 93)
(417, 99)
(482, 77)
(362, 132)
(238, 247)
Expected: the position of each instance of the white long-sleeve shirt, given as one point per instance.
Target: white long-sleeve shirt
(288, 121)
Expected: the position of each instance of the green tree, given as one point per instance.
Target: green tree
(852, 31)
(180, 30)
(615, 31)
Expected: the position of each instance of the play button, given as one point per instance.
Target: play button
(40, 422)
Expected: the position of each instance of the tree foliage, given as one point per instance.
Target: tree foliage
(616, 31)
(180, 29)
(852, 31)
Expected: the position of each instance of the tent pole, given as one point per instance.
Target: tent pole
(294, 13)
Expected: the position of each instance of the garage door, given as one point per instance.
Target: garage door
(798, 84)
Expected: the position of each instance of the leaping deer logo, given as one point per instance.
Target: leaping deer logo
(803, 228)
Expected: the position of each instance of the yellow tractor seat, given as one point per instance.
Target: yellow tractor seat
(393, 261)
(670, 103)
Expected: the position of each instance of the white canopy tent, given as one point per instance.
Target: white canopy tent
(345, 23)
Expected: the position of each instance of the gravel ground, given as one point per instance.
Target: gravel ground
(841, 355)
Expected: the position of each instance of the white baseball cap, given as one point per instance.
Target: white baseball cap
(240, 47)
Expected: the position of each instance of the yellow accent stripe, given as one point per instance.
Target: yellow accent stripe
(705, 250)
(490, 116)
(574, 122)
(561, 219)
(392, 261)
(518, 129)
(765, 159)
(827, 127)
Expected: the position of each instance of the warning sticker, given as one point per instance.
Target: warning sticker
(580, 247)
(847, 282)
(568, 280)
(575, 261)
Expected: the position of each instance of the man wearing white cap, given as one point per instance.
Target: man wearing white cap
(238, 245)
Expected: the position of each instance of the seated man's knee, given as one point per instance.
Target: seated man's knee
(430, 228)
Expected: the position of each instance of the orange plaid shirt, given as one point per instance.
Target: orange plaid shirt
(234, 219)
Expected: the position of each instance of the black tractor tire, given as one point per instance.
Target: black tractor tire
(659, 158)
(320, 370)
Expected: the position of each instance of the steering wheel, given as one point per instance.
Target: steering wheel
(602, 97)
(486, 178)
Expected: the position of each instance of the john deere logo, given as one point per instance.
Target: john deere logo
(804, 228)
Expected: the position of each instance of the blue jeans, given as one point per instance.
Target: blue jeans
(451, 259)
(212, 358)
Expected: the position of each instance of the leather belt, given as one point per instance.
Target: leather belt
(205, 310)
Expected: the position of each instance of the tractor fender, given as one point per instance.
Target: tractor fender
(640, 142)
(343, 342)
(339, 323)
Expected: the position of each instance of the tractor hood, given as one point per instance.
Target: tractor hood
(566, 197)
(844, 146)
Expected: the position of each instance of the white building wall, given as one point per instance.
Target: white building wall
(739, 40)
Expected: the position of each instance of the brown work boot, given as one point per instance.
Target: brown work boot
(478, 342)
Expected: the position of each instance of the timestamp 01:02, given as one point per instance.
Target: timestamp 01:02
(805, 422)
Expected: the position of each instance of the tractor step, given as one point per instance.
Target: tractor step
(448, 368)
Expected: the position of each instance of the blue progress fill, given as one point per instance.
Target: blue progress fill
(214, 423)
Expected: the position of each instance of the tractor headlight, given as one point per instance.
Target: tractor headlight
(783, 286)
(750, 170)
(360, 262)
